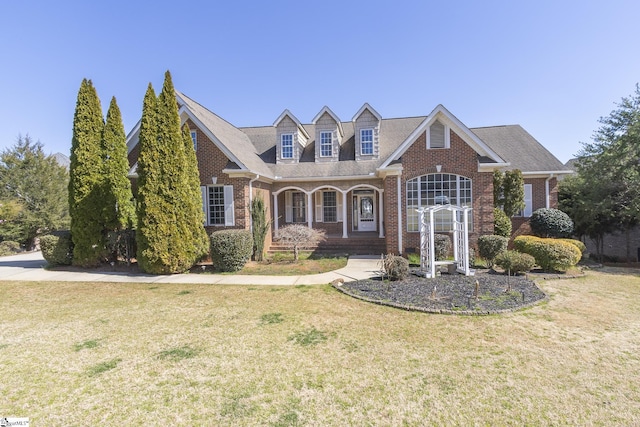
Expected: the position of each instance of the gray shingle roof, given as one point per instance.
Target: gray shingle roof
(519, 148)
(255, 147)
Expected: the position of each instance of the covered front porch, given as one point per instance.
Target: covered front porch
(342, 212)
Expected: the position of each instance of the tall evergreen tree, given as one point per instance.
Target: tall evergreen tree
(85, 177)
(119, 211)
(33, 187)
(193, 213)
(169, 232)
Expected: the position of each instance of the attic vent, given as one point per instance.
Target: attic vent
(437, 135)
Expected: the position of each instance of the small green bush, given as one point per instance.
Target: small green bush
(231, 249)
(442, 245)
(501, 223)
(550, 223)
(57, 249)
(550, 254)
(9, 247)
(396, 267)
(490, 246)
(514, 262)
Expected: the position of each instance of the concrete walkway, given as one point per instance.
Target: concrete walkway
(30, 267)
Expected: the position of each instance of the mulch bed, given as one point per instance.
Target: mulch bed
(449, 294)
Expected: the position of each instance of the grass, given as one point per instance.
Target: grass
(573, 360)
(282, 264)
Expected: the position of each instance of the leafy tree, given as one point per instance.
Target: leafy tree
(85, 178)
(610, 169)
(169, 228)
(117, 201)
(32, 193)
(508, 191)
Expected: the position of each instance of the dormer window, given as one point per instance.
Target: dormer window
(326, 145)
(438, 135)
(287, 146)
(366, 142)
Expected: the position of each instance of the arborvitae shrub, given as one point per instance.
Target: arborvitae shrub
(550, 223)
(501, 223)
(57, 249)
(396, 267)
(490, 246)
(550, 254)
(231, 249)
(442, 245)
(514, 262)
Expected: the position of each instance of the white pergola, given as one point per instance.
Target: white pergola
(428, 261)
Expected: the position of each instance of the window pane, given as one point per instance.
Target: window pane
(216, 205)
(287, 146)
(325, 144)
(330, 206)
(366, 141)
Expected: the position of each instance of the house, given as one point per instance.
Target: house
(361, 180)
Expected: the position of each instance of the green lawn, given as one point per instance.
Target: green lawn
(142, 354)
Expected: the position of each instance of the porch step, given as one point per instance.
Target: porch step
(337, 245)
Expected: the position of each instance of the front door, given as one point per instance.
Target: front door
(366, 213)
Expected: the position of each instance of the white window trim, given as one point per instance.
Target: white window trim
(229, 208)
(282, 156)
(447, 137)
(458, 197)
(194, 138)
(319, 204)
(528, 202)
(330, 143)
(362, 153)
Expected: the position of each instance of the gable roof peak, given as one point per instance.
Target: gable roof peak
(328, 111)
(287, 113)
(366, 106)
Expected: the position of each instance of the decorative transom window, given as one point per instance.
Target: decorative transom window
(366, 142)
(326, 144)
(438, 135)
(436, 189)
(194, 138)
(217, 203)
(286, 140)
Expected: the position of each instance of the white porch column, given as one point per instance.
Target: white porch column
(380, 215)
(275, 213)
(344, 214)
(309, 211)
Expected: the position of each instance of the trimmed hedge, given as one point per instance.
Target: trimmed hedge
(501, 223)
(57, 249)
(490, 246)
(514, 262)
(231, 249)
(550, 223)
(577, 243)
(442, 246)
(9, 247)
(396, 267)
(550, 254)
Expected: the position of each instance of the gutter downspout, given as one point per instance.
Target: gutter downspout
(547, 196)
(399, 216)
(251, 200)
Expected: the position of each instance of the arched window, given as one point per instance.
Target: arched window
(436, 189)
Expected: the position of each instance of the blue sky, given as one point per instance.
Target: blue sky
(553, 67)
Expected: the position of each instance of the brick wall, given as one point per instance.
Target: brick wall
(459, 159)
